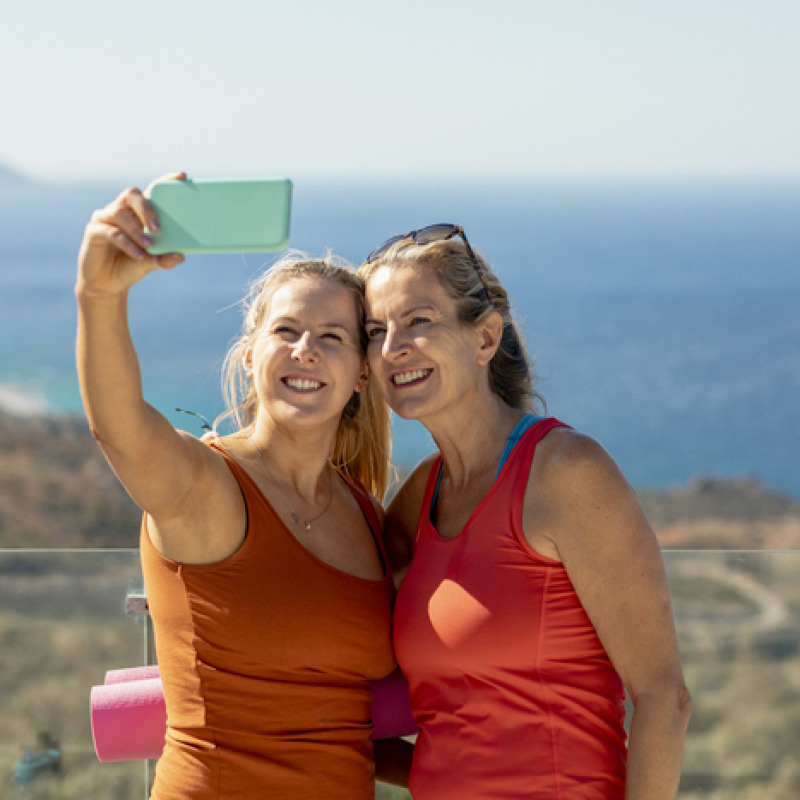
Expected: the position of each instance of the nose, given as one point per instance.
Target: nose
(395, 344)
(304, 350)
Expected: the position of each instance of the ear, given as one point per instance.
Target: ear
(247, 361)
(490, 333)
(363, 378)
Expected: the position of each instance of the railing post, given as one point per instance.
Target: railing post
(136, 605)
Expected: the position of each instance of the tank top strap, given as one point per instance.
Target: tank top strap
(429, 496)
(516, 469)
(516, 434)
(539, 427)
(365, 503)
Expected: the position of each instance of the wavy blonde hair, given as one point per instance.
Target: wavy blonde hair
(362, 445)
(510, 370)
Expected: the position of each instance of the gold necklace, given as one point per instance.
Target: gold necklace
(295, 516)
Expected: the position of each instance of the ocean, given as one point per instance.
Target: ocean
(663, 317)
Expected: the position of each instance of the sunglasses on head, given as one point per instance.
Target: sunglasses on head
(435, 233)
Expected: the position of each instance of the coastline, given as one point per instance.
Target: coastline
(57, 491)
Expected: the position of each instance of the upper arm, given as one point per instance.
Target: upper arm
(584, 505)
(194, 507)
(402, 516)
(156, 464)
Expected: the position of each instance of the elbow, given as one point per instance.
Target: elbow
(671, 701)
(684, 704)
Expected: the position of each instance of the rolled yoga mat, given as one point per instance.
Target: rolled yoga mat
(391, 707)
(132, 674)
(129, 718)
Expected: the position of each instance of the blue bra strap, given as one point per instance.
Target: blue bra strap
(516, 434)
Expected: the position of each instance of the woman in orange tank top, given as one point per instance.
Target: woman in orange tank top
(536, 594)
(262, 550)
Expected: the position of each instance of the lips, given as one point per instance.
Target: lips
(303, 384)
(410, 377)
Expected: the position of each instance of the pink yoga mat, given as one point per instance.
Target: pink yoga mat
(132, 674)
(129, 718)
(391, 708)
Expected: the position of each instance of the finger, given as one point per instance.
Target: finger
(124, 218)
(170, 260)
(145, 208)
(173, 176)
(122, 242)
(134, 200)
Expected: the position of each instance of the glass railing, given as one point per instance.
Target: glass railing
(63, 623)
(738, 620)
(66, 617)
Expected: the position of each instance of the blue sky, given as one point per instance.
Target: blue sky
(443, 87)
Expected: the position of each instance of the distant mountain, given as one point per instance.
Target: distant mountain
(11, 177)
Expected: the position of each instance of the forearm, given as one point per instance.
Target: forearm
(655, 749)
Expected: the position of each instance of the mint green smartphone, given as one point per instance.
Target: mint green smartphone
(220, 216)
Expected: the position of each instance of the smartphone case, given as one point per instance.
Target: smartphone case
(220, 216)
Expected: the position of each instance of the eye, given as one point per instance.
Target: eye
(375, 331)
(419, 321)
(282, 330)
(335, 336)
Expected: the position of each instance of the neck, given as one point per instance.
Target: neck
(298, 459)
(471, 438)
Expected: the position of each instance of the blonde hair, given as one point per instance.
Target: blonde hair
(510, 371)
(362, 446)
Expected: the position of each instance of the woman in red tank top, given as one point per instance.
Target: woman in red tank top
(533, 591)
(262, 552)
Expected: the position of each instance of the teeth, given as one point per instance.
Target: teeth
(303, 384)
(409, 377)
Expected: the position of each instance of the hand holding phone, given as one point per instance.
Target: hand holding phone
(220, 216)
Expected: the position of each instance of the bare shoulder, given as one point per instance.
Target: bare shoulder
(572, 462)
(402, 515)
(207, 523)
(413, 487)
(576, 489)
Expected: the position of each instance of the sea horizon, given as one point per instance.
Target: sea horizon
(661, 315)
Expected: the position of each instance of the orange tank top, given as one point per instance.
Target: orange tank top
(265, 659)
(512, 689)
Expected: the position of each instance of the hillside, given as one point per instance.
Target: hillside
(56, 490)
(713, 514)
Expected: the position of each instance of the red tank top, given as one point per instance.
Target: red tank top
(511, 688)
(265, 659)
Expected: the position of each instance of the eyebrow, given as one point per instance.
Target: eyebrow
(409, 311)
(296, 321)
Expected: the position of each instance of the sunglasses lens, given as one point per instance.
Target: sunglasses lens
(379, 251)
(435, 233)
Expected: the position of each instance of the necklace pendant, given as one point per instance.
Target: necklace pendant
(308, 525)
(295, 517)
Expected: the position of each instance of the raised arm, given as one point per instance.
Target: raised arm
(156, 464)
(579, 504)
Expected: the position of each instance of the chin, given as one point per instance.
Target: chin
(408, 409)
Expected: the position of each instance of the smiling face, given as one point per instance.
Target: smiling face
(424, 360)
(305, 360)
